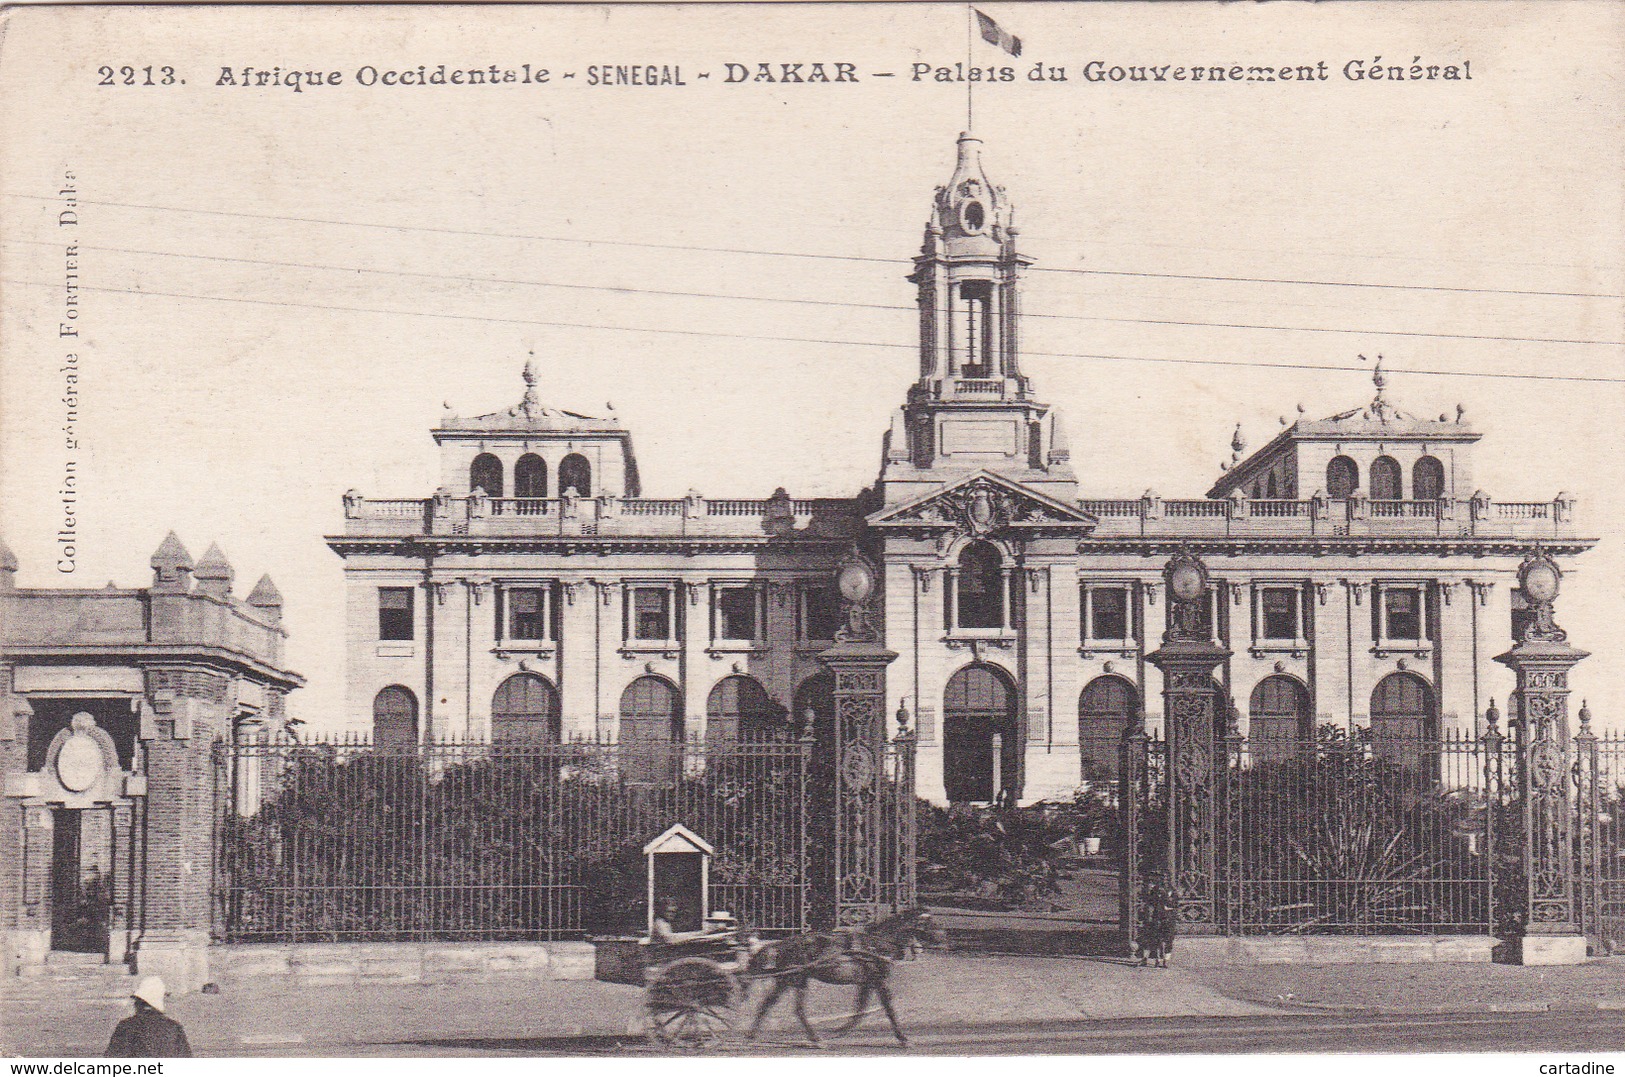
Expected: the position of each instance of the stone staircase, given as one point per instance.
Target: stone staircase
(68, 977)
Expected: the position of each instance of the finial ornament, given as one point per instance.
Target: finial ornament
(1492, 718)
(1237, 442)
(1585, 716)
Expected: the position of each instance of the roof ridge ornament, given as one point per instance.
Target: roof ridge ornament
(1379, 408)
(532, 403)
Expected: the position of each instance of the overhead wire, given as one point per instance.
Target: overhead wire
(718, 334)
(848, 304)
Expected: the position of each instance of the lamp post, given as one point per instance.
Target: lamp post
(1541, 661)
(1195, 766)
(858, 662)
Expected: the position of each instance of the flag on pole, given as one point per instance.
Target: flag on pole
(994, 34)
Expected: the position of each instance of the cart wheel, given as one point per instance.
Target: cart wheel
(689, 1003)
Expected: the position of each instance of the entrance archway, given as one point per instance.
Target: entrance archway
(979, 705)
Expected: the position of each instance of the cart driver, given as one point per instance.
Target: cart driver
(664, 935)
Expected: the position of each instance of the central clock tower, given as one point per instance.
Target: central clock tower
(972, 409)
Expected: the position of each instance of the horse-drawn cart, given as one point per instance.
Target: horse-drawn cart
(694, 987)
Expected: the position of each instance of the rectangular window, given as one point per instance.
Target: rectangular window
(528, 613)
(820, 613)
(651, 613)
(394, 613)
(737, 613)
(1278, 613)
(1402, 613)
(1107, 610)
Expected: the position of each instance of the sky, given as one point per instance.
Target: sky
(279, 289)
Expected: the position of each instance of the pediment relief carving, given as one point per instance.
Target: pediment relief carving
(983, 507)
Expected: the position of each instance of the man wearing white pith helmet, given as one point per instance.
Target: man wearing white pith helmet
(149, 1032)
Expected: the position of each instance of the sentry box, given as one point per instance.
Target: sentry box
(680, 871)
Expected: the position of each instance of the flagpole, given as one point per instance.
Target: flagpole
(970, 38)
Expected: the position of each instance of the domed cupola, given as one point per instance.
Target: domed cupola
(971, 215)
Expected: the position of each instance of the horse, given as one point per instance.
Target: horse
(860, 956)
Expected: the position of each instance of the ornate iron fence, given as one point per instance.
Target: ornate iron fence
(336, 839)
(1341, 835)
(1362, 835)
(1599, 779)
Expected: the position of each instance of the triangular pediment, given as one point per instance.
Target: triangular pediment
(678, 839)
(983, 503)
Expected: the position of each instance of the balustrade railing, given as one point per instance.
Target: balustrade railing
(1206, 509)
(522, 506)
(404, 508)
(1403, 510)
(736, 508)
(1112, 507)
(1308, 514)
(1277, 507)
(978, 386)
(652, 507)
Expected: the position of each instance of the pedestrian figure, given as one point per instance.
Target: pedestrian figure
(1156, 936)
(149, 1032)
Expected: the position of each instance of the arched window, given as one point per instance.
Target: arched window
(1106, 708)
(530, 476)
(739, 707)
(651, 730)
(1342, 478)
(1279, 718)
(485, 473)
(980, 594)
(1403, 719)
(575, 474)
(979, 705)
(1427, 479)
(1386, 479)
(395, 720)
(525, 710)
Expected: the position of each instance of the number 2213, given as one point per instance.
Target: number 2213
(136, 76)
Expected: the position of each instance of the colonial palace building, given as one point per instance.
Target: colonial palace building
(1361, 578)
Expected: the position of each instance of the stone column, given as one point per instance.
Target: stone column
(1196, 746)
(858, 661)
(1541, 661)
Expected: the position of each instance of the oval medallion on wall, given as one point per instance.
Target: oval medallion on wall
(80, 764)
